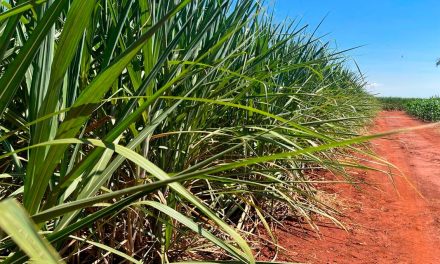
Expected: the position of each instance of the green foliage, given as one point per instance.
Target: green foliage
(394, 103)
(16, 223)
(425, 109)
(158, 131)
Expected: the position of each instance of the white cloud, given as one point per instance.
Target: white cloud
(373, 85)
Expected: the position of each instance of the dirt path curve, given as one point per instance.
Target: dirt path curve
(385, 226)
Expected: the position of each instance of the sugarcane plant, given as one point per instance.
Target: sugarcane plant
(153, 131)
(427, 109)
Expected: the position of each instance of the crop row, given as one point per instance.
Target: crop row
(424, 109)
(160, 131)
(394, 103)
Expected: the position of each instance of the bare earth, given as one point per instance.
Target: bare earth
(385, 224)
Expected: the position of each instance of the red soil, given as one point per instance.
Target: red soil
(385, 224)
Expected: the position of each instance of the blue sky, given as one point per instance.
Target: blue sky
(401, 39)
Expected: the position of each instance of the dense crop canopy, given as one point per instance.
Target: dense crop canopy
(425, 109)
(160, 131)
(394, 103)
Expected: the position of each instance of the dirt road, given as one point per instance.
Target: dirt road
(385, 225)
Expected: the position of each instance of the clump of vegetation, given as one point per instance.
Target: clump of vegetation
(160, 131)
(394, 103)
(425, 109)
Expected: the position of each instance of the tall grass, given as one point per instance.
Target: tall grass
(160, 131)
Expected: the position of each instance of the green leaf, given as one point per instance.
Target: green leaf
(192, 225)
(16, 223)
(161, 175)
(108, 249)
(80, 112)
(77, 19)
(20, 8)
(15, 72)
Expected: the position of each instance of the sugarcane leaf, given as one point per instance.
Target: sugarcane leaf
(16, 223)
(20, 8)
(15, 72)
(86, 103)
